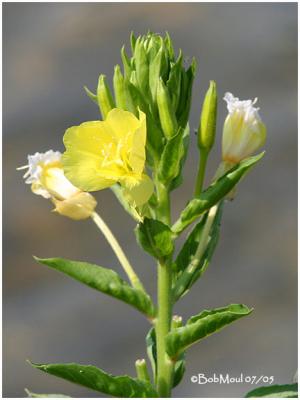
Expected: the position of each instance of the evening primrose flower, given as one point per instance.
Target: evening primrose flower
(46, 177)
(100, 154)
(243, 131)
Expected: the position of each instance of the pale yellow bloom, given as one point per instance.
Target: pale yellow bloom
(243, 131)
(47, 179)
(100, 154)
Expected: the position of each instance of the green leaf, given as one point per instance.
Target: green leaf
(170, 162)
(203, 325)
(96, 379)
(187, 267)
(278, 391)
(31, 394)
(214, 193)
(105, 280)
(155, 238)
(185, 141)
(179, 368)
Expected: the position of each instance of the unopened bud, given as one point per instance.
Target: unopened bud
(207, 126)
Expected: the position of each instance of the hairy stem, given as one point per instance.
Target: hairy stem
(201, 172)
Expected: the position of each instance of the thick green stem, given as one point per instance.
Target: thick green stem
(163, 324)
(118, 251)
(201, 172)
(164, 364)
(163, 207)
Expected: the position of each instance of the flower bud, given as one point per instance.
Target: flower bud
(166, 113)
(207, 127)
(243, 131)
(46, 176)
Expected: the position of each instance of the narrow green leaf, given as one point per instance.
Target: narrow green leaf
(155, 238)
(169, 45)
(91, 95)
(126, 63)
(189, 75)
(203, 325)
(185, 140)
(105, 280)
(187, 267)
(278, 391)
(96, 379)
(179, 368)
(105, 99)
(132, 41)
(170, 162)
(154, 73)
(214, 193)
(31, 394)
(174, 81)
(142, 66)
(119, 88)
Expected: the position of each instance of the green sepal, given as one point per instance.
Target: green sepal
(96, 379)
(183, 277)
(166, 112)
(187, 80)
(179, 367)
(132, 41)
(142, 66)
(154, 73)
(278, 391)
(203, 325)
(126, 63)
(155, 238)
(119, 88)
(104, 280)
(208, 119)
(214, 193)
(91, 95)
(174, 81)
(169, 46)
(170, 162)
(105, 99)
(38, 395)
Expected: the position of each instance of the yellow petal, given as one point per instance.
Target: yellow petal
(84, 155)
(122, 122)
(140, 193)
(138, 154)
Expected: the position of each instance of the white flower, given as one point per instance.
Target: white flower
(46, 176)
(243, 131)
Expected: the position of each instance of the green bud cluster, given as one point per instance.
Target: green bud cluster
(155, 81)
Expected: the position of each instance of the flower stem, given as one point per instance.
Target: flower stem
(201, 172)
(118, 251)
(165, 366)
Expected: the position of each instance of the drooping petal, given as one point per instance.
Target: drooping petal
(140, 193)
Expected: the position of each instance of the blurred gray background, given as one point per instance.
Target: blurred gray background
(49, 52)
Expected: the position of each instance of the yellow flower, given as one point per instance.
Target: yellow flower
(47, 179)
(100, 154)
(243, 131)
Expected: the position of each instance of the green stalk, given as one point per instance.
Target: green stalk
(164, 364)
(163, 324)
(201, 172)
(118, 251)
